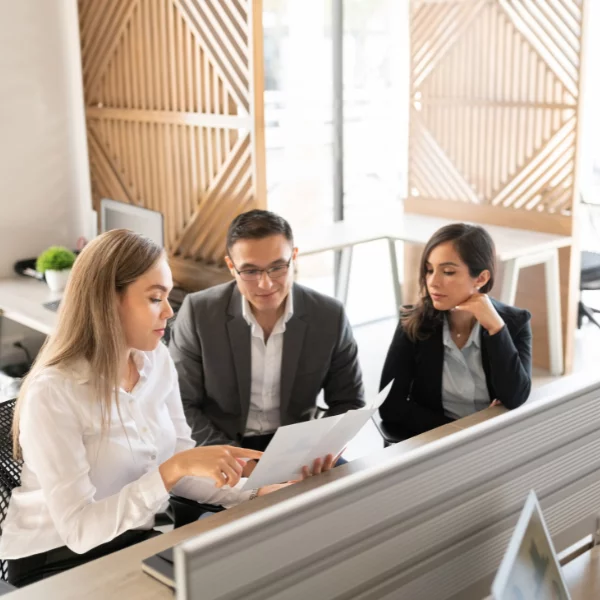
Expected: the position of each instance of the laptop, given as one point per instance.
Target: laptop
(150, 223)
(530, 569)
(161, 566)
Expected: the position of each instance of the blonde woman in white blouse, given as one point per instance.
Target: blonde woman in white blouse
(99, 420)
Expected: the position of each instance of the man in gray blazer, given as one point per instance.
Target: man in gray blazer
(254, 354)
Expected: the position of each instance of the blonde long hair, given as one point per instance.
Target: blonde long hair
(88, 324)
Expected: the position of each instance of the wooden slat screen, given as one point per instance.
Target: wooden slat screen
(173, 90)
(494, 103)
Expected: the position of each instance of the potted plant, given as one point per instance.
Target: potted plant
(55, 263)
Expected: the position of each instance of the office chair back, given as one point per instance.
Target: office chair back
(10, 469)
(590, 266)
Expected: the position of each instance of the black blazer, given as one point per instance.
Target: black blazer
(414, 404)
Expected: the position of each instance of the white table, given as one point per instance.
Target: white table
(21, 300)
(516, 248)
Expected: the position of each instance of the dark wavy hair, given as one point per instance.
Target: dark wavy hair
(475, 248)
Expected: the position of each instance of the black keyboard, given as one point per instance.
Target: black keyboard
(53, 306)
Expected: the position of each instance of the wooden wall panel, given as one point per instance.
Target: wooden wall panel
(494, 121)
(173, 93)
(494, 111)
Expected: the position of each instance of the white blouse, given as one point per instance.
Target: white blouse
(82, 487)
(464, 385)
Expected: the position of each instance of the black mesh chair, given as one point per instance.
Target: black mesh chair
(389, 434)
(590, 266)
(10, 469)
(590, 280)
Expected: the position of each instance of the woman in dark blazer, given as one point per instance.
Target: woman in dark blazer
(457, 350)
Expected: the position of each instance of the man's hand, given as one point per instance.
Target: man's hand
(269, 489)
(321, 465)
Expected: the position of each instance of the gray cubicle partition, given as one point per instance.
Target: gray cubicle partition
(431, 525)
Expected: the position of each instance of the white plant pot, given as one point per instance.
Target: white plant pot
(57, 280)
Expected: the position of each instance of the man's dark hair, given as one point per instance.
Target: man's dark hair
(256, 225)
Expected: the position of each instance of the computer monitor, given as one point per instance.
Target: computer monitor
(119, 215)
(530, 567)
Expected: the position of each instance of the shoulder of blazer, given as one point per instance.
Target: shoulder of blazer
(515, 318)
(213, 301)
(312, 303)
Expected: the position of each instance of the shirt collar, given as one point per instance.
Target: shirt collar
(474, 337)
(81, 368)
(251, 319)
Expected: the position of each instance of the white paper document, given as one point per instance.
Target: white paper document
(298, 445)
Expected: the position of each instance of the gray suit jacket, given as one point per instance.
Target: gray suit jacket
(210, 345)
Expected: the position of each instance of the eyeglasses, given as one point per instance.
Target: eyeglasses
(275, 272)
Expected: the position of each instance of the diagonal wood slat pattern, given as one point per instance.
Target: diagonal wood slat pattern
(173, 90)
(494, 102)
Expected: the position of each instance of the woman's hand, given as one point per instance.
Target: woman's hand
(249, 467)
(481, 307)
(223, 464)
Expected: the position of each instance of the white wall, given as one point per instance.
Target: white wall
(45, 194)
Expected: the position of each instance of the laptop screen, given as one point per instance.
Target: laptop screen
(119, 215)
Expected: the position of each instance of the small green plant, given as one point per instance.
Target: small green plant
(56, 258)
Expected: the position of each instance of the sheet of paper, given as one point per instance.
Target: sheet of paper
(294, 446)
(339, 435)
(286, 451)
(380, 398)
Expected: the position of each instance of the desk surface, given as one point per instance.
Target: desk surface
(120, 575)
(21, 300)
(510, 243)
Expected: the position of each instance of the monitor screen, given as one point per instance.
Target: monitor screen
(119, 215)
(530, 567)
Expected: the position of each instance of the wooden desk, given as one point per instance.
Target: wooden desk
(21, 300)
(516, 248)
(120, 575)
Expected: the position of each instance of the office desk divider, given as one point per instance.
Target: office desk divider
(433, 523)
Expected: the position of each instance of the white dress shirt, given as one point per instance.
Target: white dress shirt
(81, 487)
(464, 386)
(265, 359)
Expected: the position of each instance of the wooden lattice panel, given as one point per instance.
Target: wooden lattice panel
(173, 92)
(494, 102)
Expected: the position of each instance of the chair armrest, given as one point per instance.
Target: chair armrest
(183, 510)
(390, 435)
